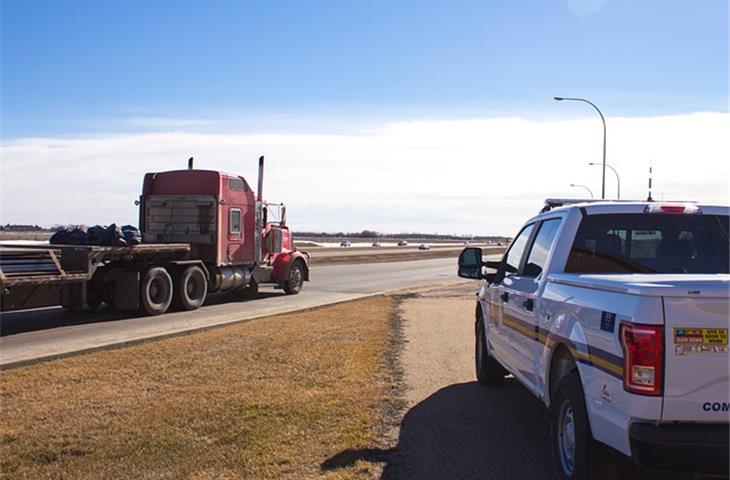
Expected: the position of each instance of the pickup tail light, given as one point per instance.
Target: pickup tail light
(643, 347)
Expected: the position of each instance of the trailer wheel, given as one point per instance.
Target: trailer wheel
(191, 288)
(156, 291)
(295, 280)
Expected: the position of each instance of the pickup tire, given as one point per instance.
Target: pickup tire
(574, 450)
(191, 288)
(489, 371)
(156, 291)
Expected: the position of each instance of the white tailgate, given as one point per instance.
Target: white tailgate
(696, 369)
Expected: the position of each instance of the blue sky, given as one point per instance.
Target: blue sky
(86, 66)
(373, 114)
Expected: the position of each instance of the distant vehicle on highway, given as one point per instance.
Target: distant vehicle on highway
(345, 243)
(423, 246)
(376, 244)
(402, 243)
(615, 315)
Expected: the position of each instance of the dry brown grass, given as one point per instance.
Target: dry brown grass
(270, 398)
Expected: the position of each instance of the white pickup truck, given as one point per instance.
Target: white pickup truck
(616, 315)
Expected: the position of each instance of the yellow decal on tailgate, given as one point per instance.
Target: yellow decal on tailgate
(702, 336)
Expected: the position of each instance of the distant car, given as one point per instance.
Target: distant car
(402, 243)
(423, 246)
(499, 244)
(376, 244)
(466, 242)
(345, 243)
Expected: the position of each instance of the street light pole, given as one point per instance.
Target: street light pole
(582, 186)
(618, 179)
(603, 177)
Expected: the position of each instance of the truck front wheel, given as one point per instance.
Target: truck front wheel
(295, 279)
(573, 444)
(489, 370)
(191, 288)
(156, 291)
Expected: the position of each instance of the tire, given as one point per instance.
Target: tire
(156, 291)
(295, 279)
(574, 450)
(191, 288)
(489, 371)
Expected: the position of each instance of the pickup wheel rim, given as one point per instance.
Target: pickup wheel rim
(566, 438)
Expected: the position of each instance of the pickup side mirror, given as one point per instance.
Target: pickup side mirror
(471, 265)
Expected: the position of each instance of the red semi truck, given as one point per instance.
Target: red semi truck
(202, 231)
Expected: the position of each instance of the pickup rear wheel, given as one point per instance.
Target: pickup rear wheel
(191, 288)
(156, 291)
(489, 370)
(573, 444)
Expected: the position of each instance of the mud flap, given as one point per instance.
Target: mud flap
(126, 290)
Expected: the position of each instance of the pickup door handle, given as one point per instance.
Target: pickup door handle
(529, 304)
(504, 297)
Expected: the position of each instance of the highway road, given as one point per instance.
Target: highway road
(52, 332)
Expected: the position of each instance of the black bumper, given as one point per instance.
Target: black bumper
(682, 447)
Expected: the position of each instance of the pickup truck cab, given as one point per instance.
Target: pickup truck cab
(615, 314)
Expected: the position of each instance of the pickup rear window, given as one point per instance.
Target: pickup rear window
(650, 243)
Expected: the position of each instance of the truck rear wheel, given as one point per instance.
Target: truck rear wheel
(295, 280)
(156, 291)
(573, 444)
(489, 370)
(191, 288)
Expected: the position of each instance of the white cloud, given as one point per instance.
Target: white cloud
(475, 175)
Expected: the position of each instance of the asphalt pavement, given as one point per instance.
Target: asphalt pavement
(47, 333)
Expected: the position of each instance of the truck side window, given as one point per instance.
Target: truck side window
(514, 255)
(541, 247)
(234, 221)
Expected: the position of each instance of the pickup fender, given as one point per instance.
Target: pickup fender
(284, 262)
(565, 334)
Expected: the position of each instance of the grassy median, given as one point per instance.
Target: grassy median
(269, 398)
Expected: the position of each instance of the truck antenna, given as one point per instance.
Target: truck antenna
(649, 199)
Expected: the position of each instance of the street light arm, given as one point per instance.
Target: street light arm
(603, 120)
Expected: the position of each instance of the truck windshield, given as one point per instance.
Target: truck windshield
(650, 243)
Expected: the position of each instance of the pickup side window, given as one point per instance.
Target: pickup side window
(515, 252)
(541, 247)
(650, 243)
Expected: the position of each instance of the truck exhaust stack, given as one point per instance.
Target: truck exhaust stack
(259, 194)
(190, 163)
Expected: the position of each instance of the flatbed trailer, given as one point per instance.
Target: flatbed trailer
(33, 276)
